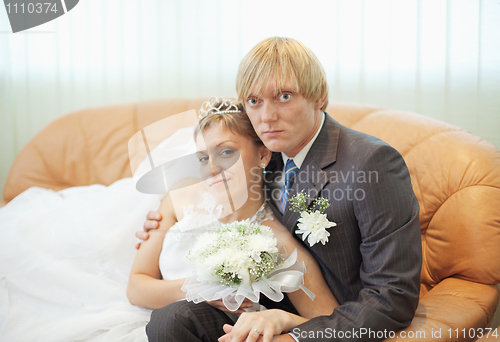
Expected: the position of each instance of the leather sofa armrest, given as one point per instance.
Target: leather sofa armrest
(452, 305)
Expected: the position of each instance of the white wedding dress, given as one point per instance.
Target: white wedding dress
(65, 259)
(182, 236)
(65, 256)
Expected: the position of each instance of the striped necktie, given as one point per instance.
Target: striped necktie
(291, 171)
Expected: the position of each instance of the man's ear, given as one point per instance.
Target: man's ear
(320, 102)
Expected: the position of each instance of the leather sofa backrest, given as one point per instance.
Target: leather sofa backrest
(455, 175)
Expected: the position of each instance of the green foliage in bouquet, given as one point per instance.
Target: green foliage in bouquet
(235, 254)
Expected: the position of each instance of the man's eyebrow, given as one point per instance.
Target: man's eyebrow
(289, 89)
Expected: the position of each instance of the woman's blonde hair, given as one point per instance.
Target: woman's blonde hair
(285, 59)
(237, 121)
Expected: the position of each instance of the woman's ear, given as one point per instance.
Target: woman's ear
(265, 155)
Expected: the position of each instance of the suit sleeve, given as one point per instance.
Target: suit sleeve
(391, 257)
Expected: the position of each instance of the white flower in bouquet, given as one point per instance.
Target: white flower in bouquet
(312, 222)
(239, 253)
(241, 260)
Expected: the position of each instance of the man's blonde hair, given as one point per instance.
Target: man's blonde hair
(285, 59)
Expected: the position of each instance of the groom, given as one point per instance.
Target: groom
(372, 259)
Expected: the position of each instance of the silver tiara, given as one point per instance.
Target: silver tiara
(214, 105)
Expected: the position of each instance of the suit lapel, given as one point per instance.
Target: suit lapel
(311, 178)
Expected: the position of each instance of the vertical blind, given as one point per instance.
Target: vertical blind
(440, 58)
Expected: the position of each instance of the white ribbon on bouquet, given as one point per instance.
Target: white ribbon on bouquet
(288, 278)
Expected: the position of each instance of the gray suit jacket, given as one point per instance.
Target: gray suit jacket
(373, 258)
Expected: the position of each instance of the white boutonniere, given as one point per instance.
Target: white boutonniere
(313, 223)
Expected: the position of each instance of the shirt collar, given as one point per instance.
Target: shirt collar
(301, 156)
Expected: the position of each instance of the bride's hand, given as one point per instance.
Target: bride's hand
(152, 222)
(251, 326)
(218, 304)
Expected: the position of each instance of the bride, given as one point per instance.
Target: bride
(231, 159)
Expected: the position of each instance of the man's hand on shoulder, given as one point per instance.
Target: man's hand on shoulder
(152, 222)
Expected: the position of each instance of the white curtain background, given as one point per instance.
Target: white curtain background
(436, 57)
(440, 58)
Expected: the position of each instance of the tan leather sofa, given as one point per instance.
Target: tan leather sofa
(455, 175)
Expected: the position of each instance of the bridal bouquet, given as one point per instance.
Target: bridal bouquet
(235, 254)
(241, 260)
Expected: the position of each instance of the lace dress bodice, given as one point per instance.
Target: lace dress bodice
(182, 236)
